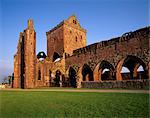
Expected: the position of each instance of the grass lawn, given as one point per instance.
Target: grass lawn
(46, 104)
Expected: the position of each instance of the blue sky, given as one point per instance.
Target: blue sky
(103, 19)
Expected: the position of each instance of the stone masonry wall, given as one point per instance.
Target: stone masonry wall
(55, 42)
(30, 55)
(65, 37)
(17, 64)
(74, 35)
(128, 84)
(114, 50)
(68, 40)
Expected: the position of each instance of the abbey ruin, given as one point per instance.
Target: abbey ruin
(69, 62)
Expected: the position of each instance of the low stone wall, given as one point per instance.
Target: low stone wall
(129, 84)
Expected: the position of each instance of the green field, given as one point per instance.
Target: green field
(46, 104)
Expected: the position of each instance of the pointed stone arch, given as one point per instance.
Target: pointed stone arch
(87, 73)
(58, 78)
(72, 77)
(132, 63)
(100, 67)
(80, 75)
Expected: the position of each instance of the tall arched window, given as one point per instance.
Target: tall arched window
(39, 74)
(72, 77)
(87, 73)
(106, 70)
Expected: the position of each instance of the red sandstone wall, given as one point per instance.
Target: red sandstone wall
(16, 72)
(45, 66)
(113, 50)
(17, 64)
(74, 35)
(30, 55)
(65, 37)
(55, 42)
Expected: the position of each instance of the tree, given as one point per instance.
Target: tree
(5, 79)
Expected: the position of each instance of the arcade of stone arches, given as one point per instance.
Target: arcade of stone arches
(129, 68)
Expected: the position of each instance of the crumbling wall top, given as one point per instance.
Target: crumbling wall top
(125, 37)
(30, 24)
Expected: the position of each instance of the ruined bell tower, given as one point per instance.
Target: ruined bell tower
(30, 54)
(25, 58)
(65, 37)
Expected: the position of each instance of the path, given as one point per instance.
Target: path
(82, 90)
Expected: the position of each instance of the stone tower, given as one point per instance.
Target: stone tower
(25, 58)
(65, 37)
(30, 55)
